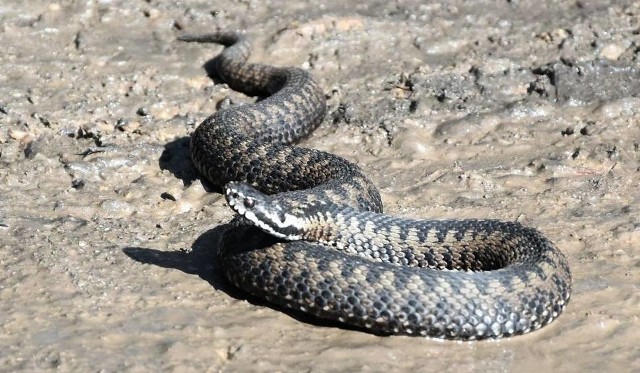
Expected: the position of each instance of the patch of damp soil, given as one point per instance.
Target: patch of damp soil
(510, 110)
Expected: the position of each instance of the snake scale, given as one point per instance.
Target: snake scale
(310, 234)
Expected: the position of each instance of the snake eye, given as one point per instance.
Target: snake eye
(249, 203)
(235, 195)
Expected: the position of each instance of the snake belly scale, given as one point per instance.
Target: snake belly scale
(310, 233)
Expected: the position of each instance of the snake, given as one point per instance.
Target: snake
(310, 235)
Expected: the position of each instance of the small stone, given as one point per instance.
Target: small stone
(612, 51)
(121, 124)
(143, 111)
(77, 184)
(567, 132)
(166, 195)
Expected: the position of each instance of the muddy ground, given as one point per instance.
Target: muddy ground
(516, 110)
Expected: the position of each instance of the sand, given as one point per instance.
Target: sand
(513, 110)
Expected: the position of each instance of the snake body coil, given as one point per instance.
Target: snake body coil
(341, 258)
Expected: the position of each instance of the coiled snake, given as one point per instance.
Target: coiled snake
(322, 244)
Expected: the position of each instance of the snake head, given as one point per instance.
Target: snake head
(263, 211)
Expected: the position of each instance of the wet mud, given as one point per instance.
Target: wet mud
(512, 110)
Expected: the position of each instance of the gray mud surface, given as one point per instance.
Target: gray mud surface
(516, 110)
